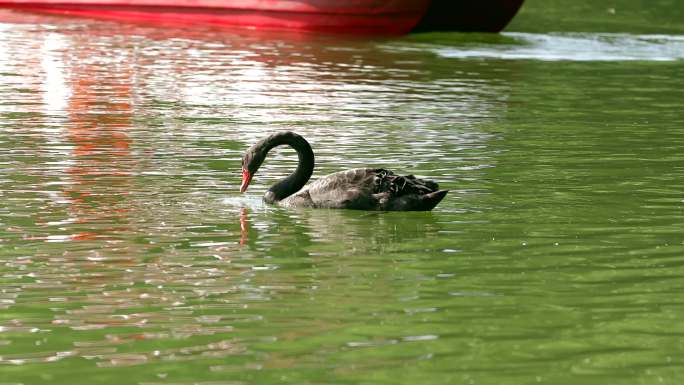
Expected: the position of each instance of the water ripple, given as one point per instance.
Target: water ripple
(124, 242)
(575, 47)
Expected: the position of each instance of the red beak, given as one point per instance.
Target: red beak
(246, 178)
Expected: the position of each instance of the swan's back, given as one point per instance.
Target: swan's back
(368, 189)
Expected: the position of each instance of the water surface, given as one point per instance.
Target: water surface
(127, 254)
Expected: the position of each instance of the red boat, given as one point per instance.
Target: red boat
(383, 17)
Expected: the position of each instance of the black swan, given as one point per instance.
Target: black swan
(359, 188)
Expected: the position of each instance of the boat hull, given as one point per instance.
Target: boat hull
(372, 17)
(468, 15)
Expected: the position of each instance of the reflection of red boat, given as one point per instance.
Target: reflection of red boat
(340, 16)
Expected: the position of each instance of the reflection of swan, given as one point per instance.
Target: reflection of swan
(244, 226)
(295, 232)
(360, 188)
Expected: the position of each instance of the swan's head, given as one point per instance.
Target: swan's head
(255, 155)
(251, 162)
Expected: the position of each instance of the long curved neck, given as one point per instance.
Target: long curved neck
(295, 181)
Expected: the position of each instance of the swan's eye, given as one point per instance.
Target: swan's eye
(246, 160)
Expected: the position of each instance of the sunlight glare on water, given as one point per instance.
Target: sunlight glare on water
(124, 243)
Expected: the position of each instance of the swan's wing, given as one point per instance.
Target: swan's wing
(345, 189)
(397, 185)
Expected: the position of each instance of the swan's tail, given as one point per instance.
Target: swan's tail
(429, 201)
(416, 202)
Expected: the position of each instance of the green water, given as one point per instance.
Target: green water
(127, 255)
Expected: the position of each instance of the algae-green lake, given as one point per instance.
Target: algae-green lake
(128, 256)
